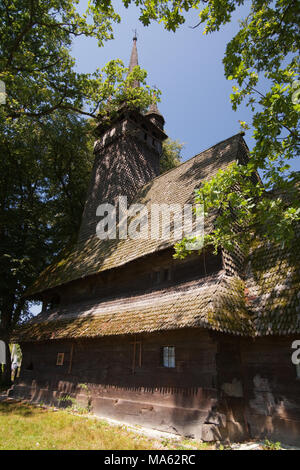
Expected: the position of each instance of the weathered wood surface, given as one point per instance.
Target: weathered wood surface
(138, 277)
(258, 387)
(222, 385)
(178, 400)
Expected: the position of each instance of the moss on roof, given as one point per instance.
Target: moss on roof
(274, 288)
(266, 302)
(216, 303)
(175, 186)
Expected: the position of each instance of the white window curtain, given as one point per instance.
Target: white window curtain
(169, 356)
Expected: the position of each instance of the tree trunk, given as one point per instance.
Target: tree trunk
(6, 377)
(6, 327)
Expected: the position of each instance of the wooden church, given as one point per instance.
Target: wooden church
(201, 346)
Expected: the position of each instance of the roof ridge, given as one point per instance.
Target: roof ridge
(189, 159)
(187, 177)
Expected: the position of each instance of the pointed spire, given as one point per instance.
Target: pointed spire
(134, 59)
(134, 55)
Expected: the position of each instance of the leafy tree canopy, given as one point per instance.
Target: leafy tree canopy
(44, 173)
(38, 69)
(171, 155)
(266, 45)
(46, 147)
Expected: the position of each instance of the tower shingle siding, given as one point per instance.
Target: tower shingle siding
(127, 157)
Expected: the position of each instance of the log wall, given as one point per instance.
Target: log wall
(259, 391)
(273, 388)
(222, 386)
(143, 392)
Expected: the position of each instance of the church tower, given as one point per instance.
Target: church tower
(127, 155)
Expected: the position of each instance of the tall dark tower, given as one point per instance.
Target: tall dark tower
(127, 155)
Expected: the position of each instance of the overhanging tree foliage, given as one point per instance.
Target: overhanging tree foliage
(44, 172)
(38, 70)
(45, 145)
(266, 45)
(39, 130)
(171, 155)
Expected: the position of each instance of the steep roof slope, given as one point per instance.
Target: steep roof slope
(175, 186)
(266, 302)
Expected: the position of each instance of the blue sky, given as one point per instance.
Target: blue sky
(186, 66)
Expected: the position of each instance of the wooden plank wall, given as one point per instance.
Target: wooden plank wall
(273, 389)
(176, 399)
(258, 388)
(233, 387)
(138, 276)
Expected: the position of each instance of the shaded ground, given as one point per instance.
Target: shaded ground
(24, 426)
(27, 427)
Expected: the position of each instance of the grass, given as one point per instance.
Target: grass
(24, 426)
(269, 445)
(27, 427)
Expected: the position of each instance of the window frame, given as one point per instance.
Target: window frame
(60, 358)
(163, 275)
(170, 363)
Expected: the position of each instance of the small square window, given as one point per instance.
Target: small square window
(162, 275)
(169, 356)
(60, 359)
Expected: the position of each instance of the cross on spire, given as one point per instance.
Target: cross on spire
(134, 58)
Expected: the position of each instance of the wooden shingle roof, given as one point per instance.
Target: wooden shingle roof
(215, 302)
(266, 302)
(175, 186)
(273, 288)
